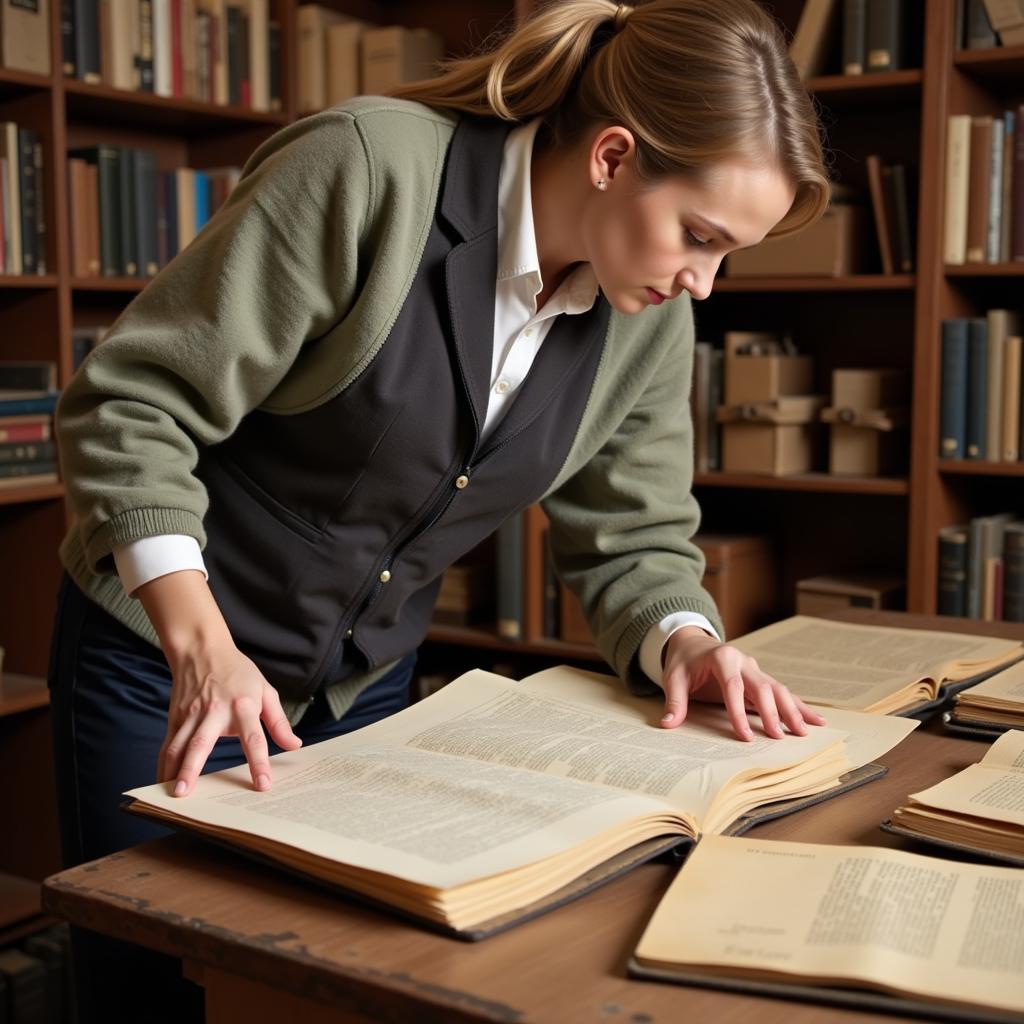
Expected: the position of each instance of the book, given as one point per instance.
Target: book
(884, 230)
(25, 35)
(979, 32)
(1013, 572)
(877, 669)
(952, 598)
(343, 61)
(40, 451)
(1001, 323)
(859, 926)
(21, 406)
(1006, 200)
(995, 704)
(29, 480)
(980, 177)
(884, 35)
(977, 388)
(896, 191)
(814, 36)
(476, 807)
(28, 375)
(1012, 364)
(953, 390)
(312, 23)
(11, 197)
(958, 150)
(854, 42)
(1018, 185)
(995, 192)
(25, 429)
(1007, 19)
(979, 809)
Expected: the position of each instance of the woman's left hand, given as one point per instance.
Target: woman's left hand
(699, 666)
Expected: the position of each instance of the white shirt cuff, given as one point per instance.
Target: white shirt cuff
(143, 560)
(657, 636)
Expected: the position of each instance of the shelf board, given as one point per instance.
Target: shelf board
(16, 82)
(19, 902)
(24, 495)
(883, 86)
(476, 636)
(850, 283)
(147, 110)
(971, 467)
(1014, 269)
(21, 693)
(996, 62)
(109, 284)
(822, 483)
(26, 281)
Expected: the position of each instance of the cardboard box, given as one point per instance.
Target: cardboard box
(834, 246)
(742, 578)
(820, 595)
(870, 389)
(762, 378)
(395, 54)
(778, 438)
(869, 443)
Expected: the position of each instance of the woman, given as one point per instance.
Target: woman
(413, 317)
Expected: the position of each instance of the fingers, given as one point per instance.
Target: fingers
(254, 743)
(198, 747)
(677, 700)
(276, 722)
(733, 696)
(809, 713)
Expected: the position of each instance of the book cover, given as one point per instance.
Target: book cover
(897, 187)
(68, 44)
(1012, 368)
(40, 219)
(977, 388)
(953, 390)
(144, 58)
(854, 36)
(25, 429)
(1006, 200)
(25, 41)
(883, 229)
(28, 375)
(145, 200)
(29, 198)
(1001, 323)
(1018, 184)
(87, 40)
(814, 38)
(995, 194)
(952, 588)
(107, 161)
(127, 201)
(958, 149)
(1013, 572)
(980, 34)
(884, 35)
(12, 197)
(980, 177)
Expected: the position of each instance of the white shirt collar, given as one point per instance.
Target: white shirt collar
(517, 241)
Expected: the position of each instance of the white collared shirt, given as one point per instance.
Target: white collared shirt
(519, 331)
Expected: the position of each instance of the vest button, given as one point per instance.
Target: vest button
(385, 576)
(348, 633)
(462, 481)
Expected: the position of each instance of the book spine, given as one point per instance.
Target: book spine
(245, 72)
(126, 200)
(995, 193)
(997, 323)
(975, 568)
(162, 48)
(171, 198)
(24, 433)
(146, 211)
(274, 47)
(15, 469)
(884, 35)
(87, 40)
(1011, 399)
(714, 401)
(177, 64)
(904, 256)
(883, 230)
(980, 34)
(958, 144)
(1018, 184)
(40, 225)
(980, 177)
(854, 39)
(952, 400)
(23, 406)
(28, 187)
(39, 451)
(952, 594)
(1013, 573)
(977, 388)
(33, 375)
(509, 574)
(109, 166)
(68, 45)
(144, 59)
(233, 56)
(1006, 200)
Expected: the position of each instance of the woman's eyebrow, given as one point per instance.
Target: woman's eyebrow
(717, 228)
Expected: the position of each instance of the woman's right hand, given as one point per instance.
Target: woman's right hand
(217, 690)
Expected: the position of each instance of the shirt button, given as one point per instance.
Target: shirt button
(502, 387)
(462, 481)
(385, 576)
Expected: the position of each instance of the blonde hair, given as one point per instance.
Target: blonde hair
(696, 82)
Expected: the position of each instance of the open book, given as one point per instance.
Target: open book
(872, 668)
(856, 925)
(980, 809)
(493, 800)
(994, 705)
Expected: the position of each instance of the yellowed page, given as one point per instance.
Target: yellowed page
(436, 794)
(993, 788)
(919, 925)
(1006, 686)
(852, 666)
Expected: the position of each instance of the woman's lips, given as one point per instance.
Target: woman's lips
(656, 297)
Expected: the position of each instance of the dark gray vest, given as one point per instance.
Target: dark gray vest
(344, 517)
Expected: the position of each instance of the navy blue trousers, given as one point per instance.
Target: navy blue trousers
(109, 693)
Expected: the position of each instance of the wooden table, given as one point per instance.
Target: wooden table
(268, 948)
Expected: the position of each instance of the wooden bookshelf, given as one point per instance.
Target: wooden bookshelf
(1014, 269)
(966, 467)
(850, 283)
(853, 89)
(819, 483)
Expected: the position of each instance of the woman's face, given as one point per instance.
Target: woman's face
(649, 244)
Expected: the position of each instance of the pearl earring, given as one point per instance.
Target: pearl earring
(601, 183)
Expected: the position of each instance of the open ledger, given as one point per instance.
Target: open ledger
(493, 800)
(879, 669)
(816, 921)
(995, 704)
(980, 809)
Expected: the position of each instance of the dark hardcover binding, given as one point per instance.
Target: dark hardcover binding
(854, 39)
(87, 40)
(171, 198)
(975, 567)
(42, 451)
(67, 37)
(40, 226)
(127, 200)
(980, 34)
(29, 198)
(144, 58)
(948, 844)
(274, 48)
(1017, 249)
(953, 393)
(145, 211)
(28, 375)
(27, 467)
(27, 406)
(162, 249)
(1013, 572)
(977, 388)
(234, 56)
(108, 168)
(245, 71)
(679, 846)
(896, 182)
(884, 35)
(952, 571)
(986, 731)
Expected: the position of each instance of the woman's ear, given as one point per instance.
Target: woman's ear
(612, 149)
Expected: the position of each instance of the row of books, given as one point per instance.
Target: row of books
(852, 37)
(982, 24)
(981, 388)
(342, 57)
(210, 50)
(35, 977)
(981, 569)
(129, 219)
(705, 398)
(28, 399)
(984, 188)
(22, 202)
